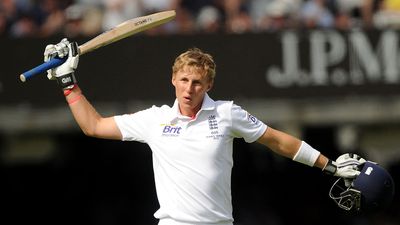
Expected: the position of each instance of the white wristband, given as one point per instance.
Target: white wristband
(306, 154)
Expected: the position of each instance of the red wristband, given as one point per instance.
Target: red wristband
(68, 91)
(75, 99)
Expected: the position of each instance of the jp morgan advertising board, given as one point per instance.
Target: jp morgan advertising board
(316, 64)
(330, 58)
(285, 64)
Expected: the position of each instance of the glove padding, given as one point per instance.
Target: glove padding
(348, 167)
(60, 50)
(64, 74)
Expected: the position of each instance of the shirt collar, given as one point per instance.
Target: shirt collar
(208, 104)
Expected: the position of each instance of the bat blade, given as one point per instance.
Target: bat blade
(123, 30)
(127, 29)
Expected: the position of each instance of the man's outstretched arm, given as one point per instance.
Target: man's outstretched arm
(293, 148)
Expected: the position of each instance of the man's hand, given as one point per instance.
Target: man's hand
(346, 166)
(64, 74)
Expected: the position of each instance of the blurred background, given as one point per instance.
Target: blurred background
(326, 71)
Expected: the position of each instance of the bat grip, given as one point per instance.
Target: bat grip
(54, 62)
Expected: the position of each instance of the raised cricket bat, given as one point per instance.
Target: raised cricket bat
(119, 32)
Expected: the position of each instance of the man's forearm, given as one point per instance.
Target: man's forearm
(321, 161)
(84, 113)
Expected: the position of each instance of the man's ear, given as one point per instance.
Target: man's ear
(210, 85)
(173, 80)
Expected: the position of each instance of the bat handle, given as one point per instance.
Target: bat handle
(54, 62)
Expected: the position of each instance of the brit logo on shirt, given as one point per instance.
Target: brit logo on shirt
(171, 130)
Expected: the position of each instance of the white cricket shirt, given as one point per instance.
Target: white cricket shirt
(192, 158)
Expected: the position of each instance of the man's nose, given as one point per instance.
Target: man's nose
(189, 87)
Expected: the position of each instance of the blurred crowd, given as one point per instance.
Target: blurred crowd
(74, 18)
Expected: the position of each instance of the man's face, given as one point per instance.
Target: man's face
(190, 89)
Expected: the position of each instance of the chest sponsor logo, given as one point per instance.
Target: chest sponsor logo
(171, 130)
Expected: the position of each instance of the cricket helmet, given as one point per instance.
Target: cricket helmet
(371, 191)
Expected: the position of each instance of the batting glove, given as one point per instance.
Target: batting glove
(346, 166)
(64, 74)
(60, 50)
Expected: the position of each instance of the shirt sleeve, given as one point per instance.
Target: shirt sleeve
(134, 127)
(246, 125)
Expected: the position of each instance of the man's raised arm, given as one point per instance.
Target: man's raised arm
(88, 119)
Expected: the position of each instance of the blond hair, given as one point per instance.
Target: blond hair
(197, 59)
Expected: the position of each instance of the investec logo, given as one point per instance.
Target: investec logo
(170, 130)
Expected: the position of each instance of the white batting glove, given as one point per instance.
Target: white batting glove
(345, 166)
(349, 160)
(348, 167)
(64, 73)
(60, 50)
